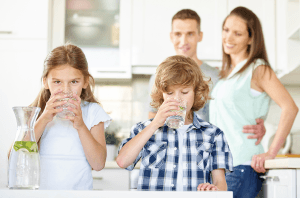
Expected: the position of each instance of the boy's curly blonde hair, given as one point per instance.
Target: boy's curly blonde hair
(180, 70)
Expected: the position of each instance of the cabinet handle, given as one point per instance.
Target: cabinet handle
(98, 178)
(5, 32)
(275, 178)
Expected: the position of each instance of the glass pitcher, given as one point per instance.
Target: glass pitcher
(24, 160)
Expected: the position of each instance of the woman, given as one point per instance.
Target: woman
(247, 84)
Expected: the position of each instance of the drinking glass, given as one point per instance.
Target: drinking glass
(66, 112)
(177, 120)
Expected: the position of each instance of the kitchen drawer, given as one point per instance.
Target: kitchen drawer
(280, 183)
(111, 179)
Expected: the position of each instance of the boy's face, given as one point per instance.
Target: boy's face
(181, 92)
(185, 37)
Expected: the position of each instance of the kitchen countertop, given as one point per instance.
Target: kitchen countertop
(6, 193)
(283, 162)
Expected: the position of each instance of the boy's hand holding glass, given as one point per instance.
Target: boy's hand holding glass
(178, 120)
(207, 187)
(167, 109)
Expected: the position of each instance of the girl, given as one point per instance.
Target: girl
(243, 94)
(69, 147)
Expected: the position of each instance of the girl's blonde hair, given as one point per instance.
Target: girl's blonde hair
(180, 70)
(73, 56)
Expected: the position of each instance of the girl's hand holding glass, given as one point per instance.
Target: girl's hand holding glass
(207, 187)
(51, 106)
(164, 111)
(76, 109)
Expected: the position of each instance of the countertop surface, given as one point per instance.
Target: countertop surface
(6, 193)
(283, 162)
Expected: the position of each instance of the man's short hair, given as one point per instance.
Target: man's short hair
(188, 14)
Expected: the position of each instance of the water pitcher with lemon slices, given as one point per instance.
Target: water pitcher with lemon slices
(24, 160)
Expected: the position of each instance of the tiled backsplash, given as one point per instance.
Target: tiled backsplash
(126, 102)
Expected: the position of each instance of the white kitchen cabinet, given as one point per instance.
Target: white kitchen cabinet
(115, 179)
(288, 40)
(281, 183)
(21, 19)
(151, 29)
(89, 19)
(265, 11)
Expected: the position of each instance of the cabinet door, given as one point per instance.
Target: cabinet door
(152, 26)
(265, 11)
(23, 19)
(104, 62)
(21, 69)
(280, 183)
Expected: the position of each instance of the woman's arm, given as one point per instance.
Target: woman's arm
(266, 79)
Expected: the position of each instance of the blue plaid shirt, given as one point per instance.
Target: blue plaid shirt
(204, 149)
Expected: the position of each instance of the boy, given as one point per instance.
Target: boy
(185, 35)
(181, 159)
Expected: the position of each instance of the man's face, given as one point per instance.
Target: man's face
(185, 37)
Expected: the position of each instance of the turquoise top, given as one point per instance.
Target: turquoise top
(233, 107)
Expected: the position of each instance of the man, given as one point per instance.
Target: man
(185, 36)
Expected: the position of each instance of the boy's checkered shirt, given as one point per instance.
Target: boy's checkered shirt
(204, 149)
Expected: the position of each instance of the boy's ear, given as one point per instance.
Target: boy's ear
(45, 83)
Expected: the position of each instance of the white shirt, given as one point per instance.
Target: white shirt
(63, 163)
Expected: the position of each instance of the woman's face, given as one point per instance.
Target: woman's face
(235, 37)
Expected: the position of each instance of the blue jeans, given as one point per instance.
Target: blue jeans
(244, 182)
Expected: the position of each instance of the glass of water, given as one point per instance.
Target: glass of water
(66, 112)
(177, 120)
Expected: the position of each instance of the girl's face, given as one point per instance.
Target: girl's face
(181, 92)
(235, 37)
(65, 78)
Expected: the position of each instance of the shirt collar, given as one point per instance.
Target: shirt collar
(198, 122)
(237, 68)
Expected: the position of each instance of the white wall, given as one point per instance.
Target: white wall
(275, 111)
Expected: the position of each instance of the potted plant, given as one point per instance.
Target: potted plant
(112, 140)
